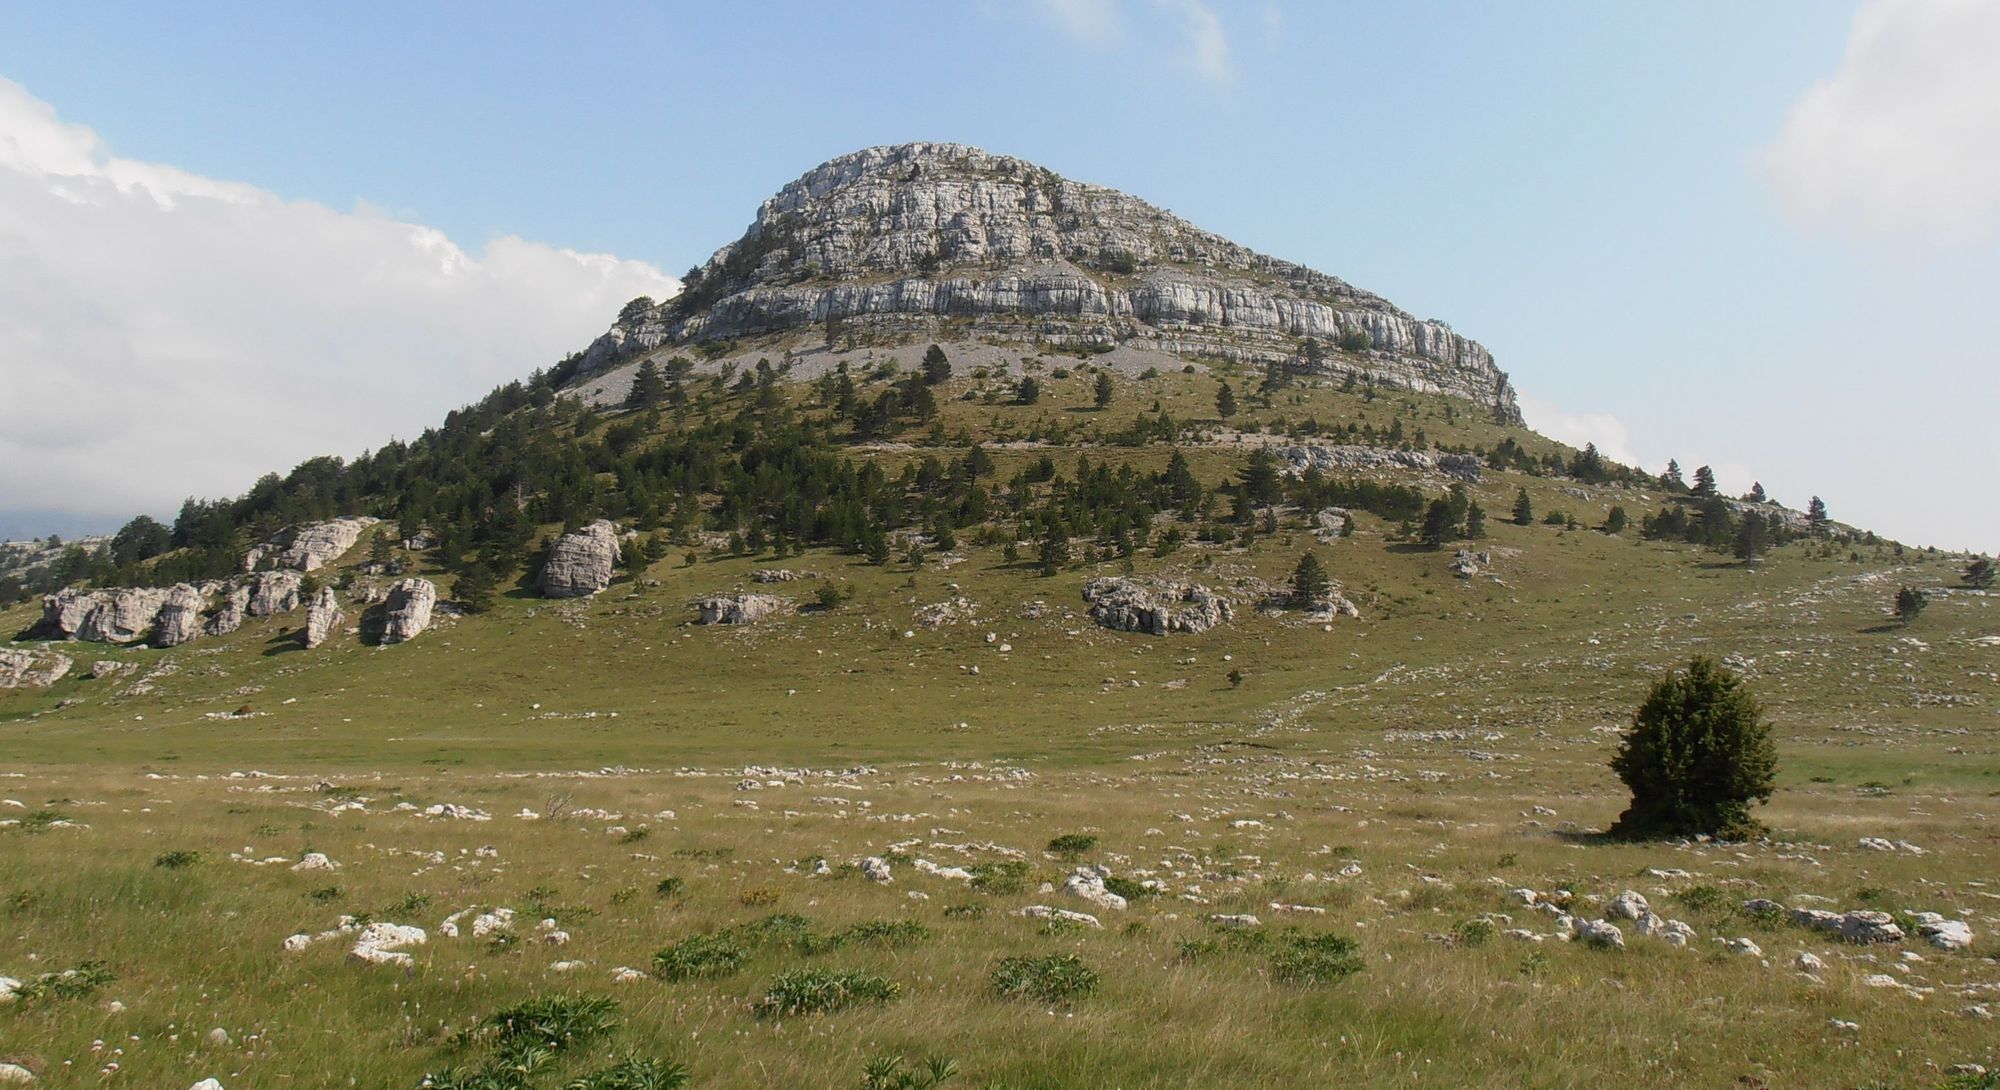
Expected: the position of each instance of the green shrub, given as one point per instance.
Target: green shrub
(890, 933)
(1703, 898)
(76, 983)
(700, 957)
(670, 887)
(633, 1073)
(1314, 959)
(1475, 932)
(1129, 888)
(1071, 845)
(552, 1022)
(888, 1073)
(1698, 755)
(176, 859)
(1006, 877)
(1059, 978)
(822, 991)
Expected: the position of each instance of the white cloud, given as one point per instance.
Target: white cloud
(1195, 39)
(1905, 136)
(165, 334)
(1205, 40)
(1086, 20)
(1612, 435)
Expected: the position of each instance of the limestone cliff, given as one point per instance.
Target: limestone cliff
(911, 237)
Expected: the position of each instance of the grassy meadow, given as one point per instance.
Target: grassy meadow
(643, 781)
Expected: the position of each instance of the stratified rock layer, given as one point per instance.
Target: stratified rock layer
(407, 610)
(581, 563)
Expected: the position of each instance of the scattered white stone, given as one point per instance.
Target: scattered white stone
(876, 869)
(1808, 962)
(10, 990)
(382, 944)
(15, 1073)
(1309, 910)
(1841, 1026)
(925, 866)
(1945, 934)
(218, 1037)
(1061, 915)
(488, 923)
(315, 861)
(565, 966)
(1742, 946)
(1601, 933)
(1088, 884)
(625, 974)
(1243, 919)
(1629, 905)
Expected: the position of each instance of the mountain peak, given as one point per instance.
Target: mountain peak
(905, 238)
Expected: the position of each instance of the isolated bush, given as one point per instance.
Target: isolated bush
(1070, 845)
(176, 859)
(822, 991)
(633, 1073)
(700, 957)
(1313, 959)
(1698, 755)
(1058, 978)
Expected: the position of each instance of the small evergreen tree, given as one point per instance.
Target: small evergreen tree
(1816, 518)
(1104, 389)
(1028, 391)
(649, 388)
(1704, 481)
(1439, 525)
(1309, 581)
(1909, 602)
(1524, 509)
(937, 366)
(1054, 550)
(1756, 493)
(1615, 521)
(1699, 754)
(1475, 521)
(1979, 573)
(474, 589)
(1671, 480)
(1225, 402)
(1753, 538)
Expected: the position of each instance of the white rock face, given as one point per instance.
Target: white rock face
(273, 592)
(1329, 459)
(1153, 607)
(31, 669)
(581, 563)
(322, 616)
(407, 611)
(876, 869)
(309, 546)
(110, 615)
(1943, 933)
(228, 617)
(737, 608)
(179, 618)
(907, 237)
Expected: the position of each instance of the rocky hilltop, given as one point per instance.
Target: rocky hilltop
(911, 238)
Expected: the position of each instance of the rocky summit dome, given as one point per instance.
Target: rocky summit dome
(905, 239)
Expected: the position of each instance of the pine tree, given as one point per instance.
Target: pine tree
(1980, 573)
(1261, 485)
(1439, 525)
(1699, 754)
(474, 589)
(1816, 517)
(1309, 582)
(1054, 550)
(1704, 481)
(1671, 480)
(1524, 509)
(1225, 402)
(937, 367)
(1615, 521)
(1028, 391)
(1475, 521)
(1910, 602)
(1756, 494)
(648, 387)
(1753, 538)
(1104, 389)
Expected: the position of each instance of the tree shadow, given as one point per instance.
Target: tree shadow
(1882, 629)
(1596, 838)
(291, 639)
(374, 622)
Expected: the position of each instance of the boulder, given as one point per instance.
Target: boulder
(407, 610)
(1860, 926)
(1629, 905)
(581, 563)
(229, 616)
(321, 617)
(382, 943)
(309, 546)
(737, 608)
(1943, 933)
(179, 618)
(110, 615)
(1059, 915)
(31, 669)
(1155, 607)
(15, 1073)
(1600, 933)
(273, 592)
(876, 869)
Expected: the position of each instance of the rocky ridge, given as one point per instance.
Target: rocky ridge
(908, 237)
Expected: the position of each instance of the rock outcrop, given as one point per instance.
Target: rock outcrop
(905, 238)
(309, 546)
(31, 669)
(407, 610)
(1158, 608)
(322, 616)
(737, 608)
(228, 617)
(273, 592)
(110, 615)
(1458, 467)
(179, 617)
(581, 563)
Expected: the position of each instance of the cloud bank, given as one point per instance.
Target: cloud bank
(1905, 136)
(1186, 33)
(163, 334)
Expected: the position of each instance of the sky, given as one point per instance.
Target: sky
(1763, 237)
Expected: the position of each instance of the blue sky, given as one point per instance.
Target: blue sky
(1619, 200)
